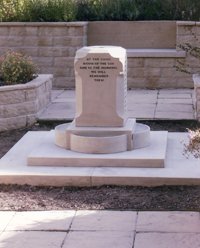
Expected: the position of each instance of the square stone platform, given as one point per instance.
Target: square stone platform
(178, 170)
(47, 153)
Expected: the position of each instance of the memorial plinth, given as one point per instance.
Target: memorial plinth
(101, 124)
(101, 134)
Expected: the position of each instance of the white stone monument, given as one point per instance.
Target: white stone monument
(101, 125)
(101, 135)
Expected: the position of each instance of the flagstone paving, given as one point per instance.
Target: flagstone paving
(167, 104)
(100, 229)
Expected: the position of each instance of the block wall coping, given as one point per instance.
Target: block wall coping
(43, 24)
(32, 84)
(155, 53)
(187, 23)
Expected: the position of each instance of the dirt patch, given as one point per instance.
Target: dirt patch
(164, 198)
(179, 198)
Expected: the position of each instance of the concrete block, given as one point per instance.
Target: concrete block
(64, 62)
(31, 51)
(19, 109)
(64, 82)
(135, 62)
(46, 62)
(17, 31)
(15, 41)
(46, 31)
(61, 31)
(60, 51)
(136, 72)
(76, 31)
(41, 89)
(31, 31)
(153, 72)
(12, 123)
(4, 31)
(12, 96)
(4, 41)
(45, 52)
(30, 95)
(45, 41)
(140, 82)
(30, 41)
(162, 62)
(62, 41)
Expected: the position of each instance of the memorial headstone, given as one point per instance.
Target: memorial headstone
(100, 124)
(100, 87)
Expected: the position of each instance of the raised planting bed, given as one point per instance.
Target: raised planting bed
(21, 103)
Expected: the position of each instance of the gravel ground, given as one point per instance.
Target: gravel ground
(176, 198)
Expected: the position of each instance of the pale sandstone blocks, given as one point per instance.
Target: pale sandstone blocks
(20, 104)
(44, 42)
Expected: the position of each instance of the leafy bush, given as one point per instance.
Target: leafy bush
(98, 10)
(102, 10)
(16, 68)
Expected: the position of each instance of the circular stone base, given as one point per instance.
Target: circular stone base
(141, 136)
(101, 142)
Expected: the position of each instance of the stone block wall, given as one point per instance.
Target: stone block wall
(51, 45)
(21, 104)
(156, 72)
(189, 33)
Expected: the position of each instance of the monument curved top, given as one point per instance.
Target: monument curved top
(114, 51)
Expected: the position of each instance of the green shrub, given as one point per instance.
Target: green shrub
(49, 10)
(102, 10)
(98, 10)
(16, 68)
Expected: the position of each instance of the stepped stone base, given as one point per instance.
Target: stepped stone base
(178, 169)
(48, 154)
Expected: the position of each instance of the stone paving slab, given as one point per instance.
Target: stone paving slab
(100, 229)
(32, 239)
(167, 240)
(142, 104)
(104, 220)
(176, 115)
(43, 220)
(105, 239)
(5, 218)
(172, 107)
(168, 222)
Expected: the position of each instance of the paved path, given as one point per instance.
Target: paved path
(142, 104)
(99, 229)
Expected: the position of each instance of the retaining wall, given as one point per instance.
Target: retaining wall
(153, 48)
(20, 104)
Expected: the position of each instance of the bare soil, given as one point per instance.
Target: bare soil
(22, 198)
